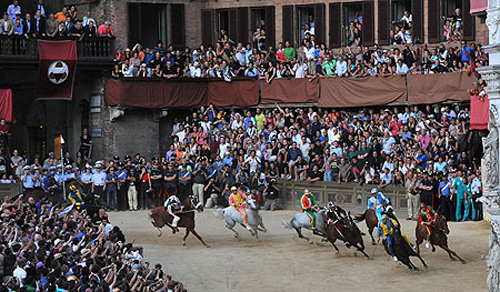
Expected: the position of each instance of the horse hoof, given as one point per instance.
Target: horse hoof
(373, 243)
(208, 246)
(464, 262)
(311, 242)
(183, 243)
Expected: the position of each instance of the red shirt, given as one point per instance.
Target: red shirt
(4, 128)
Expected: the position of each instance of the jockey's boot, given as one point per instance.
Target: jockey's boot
(175, 229)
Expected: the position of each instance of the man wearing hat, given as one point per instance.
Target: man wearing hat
(444, 193)
(98, 179)
(59, 176)
(69, 173)
(170, 180)
(156, 183)
(122, 183)
(86, 179)
(28, 179)
(49, 184)
(38, 178)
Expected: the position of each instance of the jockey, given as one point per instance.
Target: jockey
(427, 217)
(337, 216)
(174, 206)
(386, 228)
(309, 205)
(377, 201)
(75, 197)
(238, 200)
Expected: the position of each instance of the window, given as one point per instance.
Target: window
(305, 21)
(222, 21)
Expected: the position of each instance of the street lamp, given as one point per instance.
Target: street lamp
(62, 162)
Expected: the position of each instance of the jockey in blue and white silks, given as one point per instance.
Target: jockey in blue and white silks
(376, 202)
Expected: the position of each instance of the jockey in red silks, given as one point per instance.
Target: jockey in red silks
(238, 200)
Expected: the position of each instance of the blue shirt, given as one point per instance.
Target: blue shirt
(378, 201)
(59, 177)
(464, 56)
(444, 187)
(98, 178)
(422, 165)
(68, 176)
(184, 174)
(18, 29)
(86, 176)
(122, 175)
(29, 181)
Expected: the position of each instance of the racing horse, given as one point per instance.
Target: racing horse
(351, 233)
(371, 221)
(160, 217)
(439, 237)
(402, 249)
(254, 219)
(301, 220)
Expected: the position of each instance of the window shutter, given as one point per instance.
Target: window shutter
(319, 22)
(384, 21)
(233, 24)
(433, 21)
(468, 24)
(270, 26)
(335, 26)
(417, 14)
(287, 20)
(134, 24)
(243, 25)
(207, 27)
(177, 24)
(367, 23)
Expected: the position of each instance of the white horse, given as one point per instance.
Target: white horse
(301, 220)
(233, 216)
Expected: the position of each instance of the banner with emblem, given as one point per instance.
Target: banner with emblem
(57, 69)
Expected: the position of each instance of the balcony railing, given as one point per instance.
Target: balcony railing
(88, 49)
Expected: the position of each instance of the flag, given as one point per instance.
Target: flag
(479, 111)
(57, 69)
(6, 105)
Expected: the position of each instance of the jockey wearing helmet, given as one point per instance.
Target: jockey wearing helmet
(309, 204)
(337, 216)
(174, 206)
(427, 217)
(238, 200)
(386, 228)
(75, 197)
(377, 201)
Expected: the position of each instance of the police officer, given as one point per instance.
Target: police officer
(28, 180)
(476, 190)
(38, 178)
(271, 195)
(69, 173)
(86, 180)
(170, 180)
(121, 173)
(98, 180)
(59, 176)
(156, 183)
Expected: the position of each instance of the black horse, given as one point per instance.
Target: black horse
(351, 233)
(402, 249)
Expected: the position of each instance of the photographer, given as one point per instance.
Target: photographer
(272, 196)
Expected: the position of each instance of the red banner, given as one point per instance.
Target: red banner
(6, 105)
(479, 112)
(57, 69)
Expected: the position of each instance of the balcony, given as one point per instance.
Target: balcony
(22, 51)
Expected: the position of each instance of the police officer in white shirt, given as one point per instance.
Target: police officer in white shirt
(476, 190)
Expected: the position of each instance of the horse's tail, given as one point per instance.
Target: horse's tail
(287, 224)
(219, 213)
(360, 218)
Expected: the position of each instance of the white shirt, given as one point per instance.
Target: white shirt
(299, 70)
(223, 149)
(253, 162)
(309, 52)
(20, 273)
(475, 186)
(341, 68)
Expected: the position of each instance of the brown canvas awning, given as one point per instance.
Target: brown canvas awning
(289, 91)
(236, 93)
(358, 92)
(425, 89)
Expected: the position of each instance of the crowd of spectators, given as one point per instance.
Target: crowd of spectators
(213, 149)
(44, 248)
(37, 22)
(311, 59)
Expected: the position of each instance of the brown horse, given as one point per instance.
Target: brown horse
(439, 237)
(351, 233)
(371, 221)
(161, 218)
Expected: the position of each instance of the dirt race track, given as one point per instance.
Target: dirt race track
(282, 262)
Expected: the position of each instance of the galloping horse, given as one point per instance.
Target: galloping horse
(301, 220)
(402, 249)
(233, 216)
(161, 218)
(439, 237)
(351, 233)
(371, 221)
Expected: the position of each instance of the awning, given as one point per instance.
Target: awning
(477, 6)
